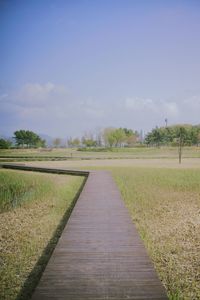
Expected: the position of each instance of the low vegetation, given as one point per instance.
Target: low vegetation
(165, 206)
(34, 208)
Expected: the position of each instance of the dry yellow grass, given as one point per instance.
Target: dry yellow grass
(27, 230)
(163, 198)
(165, 206)
(187, 163)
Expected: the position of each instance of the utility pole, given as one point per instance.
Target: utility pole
(166, 122)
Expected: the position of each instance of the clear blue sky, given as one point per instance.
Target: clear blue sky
(68, 67)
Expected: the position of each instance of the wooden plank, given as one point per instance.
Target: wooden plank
(100, 254)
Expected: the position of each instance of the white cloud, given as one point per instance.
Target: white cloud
(46, 105)
(138, 104)
(92, 109)
(51, 108)
(170, 108)
(37, 95)
(149, 105)
(193, 101)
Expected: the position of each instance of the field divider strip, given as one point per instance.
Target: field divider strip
(45, 170)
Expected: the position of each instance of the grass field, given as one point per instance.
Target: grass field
(165, 206)
(163, 199)
(187, 163)
(132, 153)
(34, 208)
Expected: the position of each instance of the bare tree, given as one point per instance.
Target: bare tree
(57, 142)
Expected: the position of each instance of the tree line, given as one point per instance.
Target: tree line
(187, 134)
(109, 137)
(112, 137)
(23, 139)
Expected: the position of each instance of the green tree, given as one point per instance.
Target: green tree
(119, 136)
(5, 144)
(198, 139)
(131, 136)
(20, 138)
(109, 137)
(155, 137)
(89, 142)
(27, 138)
(169, 135)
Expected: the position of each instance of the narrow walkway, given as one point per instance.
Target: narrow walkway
(100, 254)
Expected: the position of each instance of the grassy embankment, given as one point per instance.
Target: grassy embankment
(165, 206)
(34, 208)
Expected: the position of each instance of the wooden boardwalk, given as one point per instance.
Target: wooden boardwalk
(100, 254)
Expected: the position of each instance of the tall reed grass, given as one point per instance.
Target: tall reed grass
(15, 190)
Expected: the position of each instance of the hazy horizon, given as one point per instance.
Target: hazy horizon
(69, 67)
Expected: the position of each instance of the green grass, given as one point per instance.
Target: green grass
(34, 209)
(165, 206)
(15, 190)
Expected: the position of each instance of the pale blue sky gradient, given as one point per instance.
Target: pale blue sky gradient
(73, 66)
